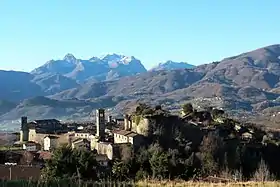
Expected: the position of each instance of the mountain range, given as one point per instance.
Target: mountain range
(246, 85)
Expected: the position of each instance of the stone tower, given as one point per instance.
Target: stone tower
(127, 124)
(24, 132)
(100, 124)
(109, 119)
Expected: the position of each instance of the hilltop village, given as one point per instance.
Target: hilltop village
(144, 129)
(104, 136)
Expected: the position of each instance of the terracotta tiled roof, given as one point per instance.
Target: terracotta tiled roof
(125, 133)
(46, 120)
(51, 137)
(45, 155)
(80, 140)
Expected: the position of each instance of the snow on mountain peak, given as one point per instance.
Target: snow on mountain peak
(171, 65)
(69, 58)
(112, 57)
(127, 59)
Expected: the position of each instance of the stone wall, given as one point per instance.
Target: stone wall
(39, 138)
(105, 148)
(32, 135)
(140, 125)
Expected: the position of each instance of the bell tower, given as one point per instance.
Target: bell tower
(100, 124)
(24, 131)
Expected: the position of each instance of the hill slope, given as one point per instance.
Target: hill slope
(244, 84)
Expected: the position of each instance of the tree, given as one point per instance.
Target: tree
(141, 107)
(158, 161)
(68, 163)
(127, 153)
(27, 158)
(187, 108)
(216, 113)
(120, 170)
(158, 107)
(208, 149)
(263, 174)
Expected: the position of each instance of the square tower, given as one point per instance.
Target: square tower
(24, 131)
(100, 123)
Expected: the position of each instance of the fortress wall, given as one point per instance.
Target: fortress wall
(140, 125)
(39, 138)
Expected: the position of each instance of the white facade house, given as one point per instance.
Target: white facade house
(82, 135)
(81, 144)
(123, 136)
(50, 143)
(30, 146)
(80, 128)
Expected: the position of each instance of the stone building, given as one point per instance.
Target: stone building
(37, 130)
(110, 150)
(137, 123)
(82, 134)
(123, 136)
(31, 146)
(50, 143)
(81, 144)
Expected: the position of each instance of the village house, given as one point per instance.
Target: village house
(31, 146)
(119, 121)
(50, 143)
(123, 136)
(105, 148)
(246, 136)
(36, 130)
(82, 134)
(81, 144)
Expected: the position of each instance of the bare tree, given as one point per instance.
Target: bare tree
(263, 174)
(27, 158)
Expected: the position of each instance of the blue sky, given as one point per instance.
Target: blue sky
(194, 31)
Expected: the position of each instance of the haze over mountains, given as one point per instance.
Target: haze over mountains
(72, 88)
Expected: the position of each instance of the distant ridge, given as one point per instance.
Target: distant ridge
(245, 85)
(170, 65)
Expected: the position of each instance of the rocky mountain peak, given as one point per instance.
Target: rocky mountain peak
(69, 57)
(171, 65)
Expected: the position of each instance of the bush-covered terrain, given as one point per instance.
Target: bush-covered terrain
(195, 146)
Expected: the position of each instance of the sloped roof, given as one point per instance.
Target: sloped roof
(45, 155)
(80, 140)
(51, 137)
(30, 143)
(46, 120)
(125, 133)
